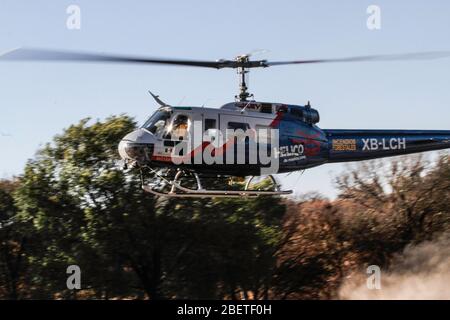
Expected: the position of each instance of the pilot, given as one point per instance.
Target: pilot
(180, 127)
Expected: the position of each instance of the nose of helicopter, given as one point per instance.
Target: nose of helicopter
(137, 146)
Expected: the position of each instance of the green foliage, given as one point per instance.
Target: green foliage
(13, 242)
(82, 209)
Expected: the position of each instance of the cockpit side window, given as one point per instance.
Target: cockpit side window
(157, 122)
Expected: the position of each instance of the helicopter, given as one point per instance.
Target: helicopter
(243, 139)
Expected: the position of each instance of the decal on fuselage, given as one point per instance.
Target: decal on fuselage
(344, 144)
(372, 144)
(290, 153)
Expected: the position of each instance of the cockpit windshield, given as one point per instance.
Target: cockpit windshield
(157, 122)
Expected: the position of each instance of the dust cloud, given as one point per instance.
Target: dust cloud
(420, 272)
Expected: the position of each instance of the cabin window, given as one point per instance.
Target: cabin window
(266, 108)
(210, 124)
(239, 136)
(180, 127)
(238, 125)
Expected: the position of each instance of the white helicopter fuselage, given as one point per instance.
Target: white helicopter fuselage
(254, 126)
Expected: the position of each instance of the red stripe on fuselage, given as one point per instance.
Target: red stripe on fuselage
(276, 122)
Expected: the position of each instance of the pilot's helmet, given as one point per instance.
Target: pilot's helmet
(180, 120)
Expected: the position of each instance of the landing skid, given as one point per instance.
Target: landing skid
(179, 191)
(216, 193)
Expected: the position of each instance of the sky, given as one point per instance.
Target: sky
(39, 100)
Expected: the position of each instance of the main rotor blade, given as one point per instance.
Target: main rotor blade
(386, 57)
(25, 54)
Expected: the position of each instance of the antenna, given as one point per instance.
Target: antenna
(159, 101)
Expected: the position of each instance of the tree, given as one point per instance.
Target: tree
(13, 242)
(407, 195)
(87, 211)
(383, 206)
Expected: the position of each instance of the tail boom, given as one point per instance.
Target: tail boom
(356, 145)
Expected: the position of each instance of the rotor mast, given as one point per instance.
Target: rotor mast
(242, 71)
